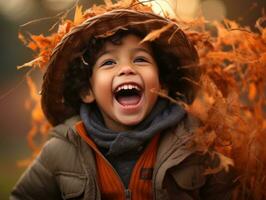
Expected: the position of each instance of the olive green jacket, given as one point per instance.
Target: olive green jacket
(65, 169)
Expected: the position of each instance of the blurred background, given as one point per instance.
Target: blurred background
(14, 117)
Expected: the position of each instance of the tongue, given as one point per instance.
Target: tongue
(128, 100)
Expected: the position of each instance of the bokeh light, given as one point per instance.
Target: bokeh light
(58, 5)
(213, 9)
(182, 9)
(186, 9)
(16, 10)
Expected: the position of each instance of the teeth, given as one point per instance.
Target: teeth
(127, 87)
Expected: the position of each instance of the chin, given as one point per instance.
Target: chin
(131, 122)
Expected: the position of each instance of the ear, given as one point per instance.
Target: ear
(87, 96)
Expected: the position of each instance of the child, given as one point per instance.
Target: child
(113, 136)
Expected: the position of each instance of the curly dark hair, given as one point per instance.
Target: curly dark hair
(76, 79)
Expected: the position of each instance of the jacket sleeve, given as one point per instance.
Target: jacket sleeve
(38, 181)
(219, 186)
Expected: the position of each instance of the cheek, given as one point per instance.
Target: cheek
(101, 84)
(152, 79)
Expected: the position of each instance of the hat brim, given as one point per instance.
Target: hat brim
(173, 41)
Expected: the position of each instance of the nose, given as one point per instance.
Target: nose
(126, 70)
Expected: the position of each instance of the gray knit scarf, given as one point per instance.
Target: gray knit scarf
(164, 115)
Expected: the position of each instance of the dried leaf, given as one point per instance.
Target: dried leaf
(78, 17)
(156, 33)
(41, 41)
(22, 38)
(30, 64)
(252, 91)
(225, 163)
(32, 46)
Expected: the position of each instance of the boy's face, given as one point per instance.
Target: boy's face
(121, 83)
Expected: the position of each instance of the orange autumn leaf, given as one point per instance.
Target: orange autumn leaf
(41, 41)
(78, 17)
(225, 163)
(39, 124)
(65, 28)
(37, 115)
(33, 89)
(32, 46)
(252, 91)
(32, 63)
(22, 38)
(156, 33)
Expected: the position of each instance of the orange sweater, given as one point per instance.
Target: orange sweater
(111, 186)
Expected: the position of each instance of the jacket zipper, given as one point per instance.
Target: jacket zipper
(127, 191)
(128, 194)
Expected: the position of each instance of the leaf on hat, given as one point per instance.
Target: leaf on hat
(78, 17)
(156, 33)
(30, 64)
(65, 28)
(32, 45)
(41, 41)
(22, 38)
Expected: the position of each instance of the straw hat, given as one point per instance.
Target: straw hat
(172, 40)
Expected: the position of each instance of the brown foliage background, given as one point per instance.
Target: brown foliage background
(231, 102)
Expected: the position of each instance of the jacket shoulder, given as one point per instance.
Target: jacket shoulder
(63, 169)
(61, 151)
(62, 130)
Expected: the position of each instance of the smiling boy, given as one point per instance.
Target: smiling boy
(128, 67)
(113, 136)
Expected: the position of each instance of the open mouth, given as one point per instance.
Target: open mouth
(128, 94)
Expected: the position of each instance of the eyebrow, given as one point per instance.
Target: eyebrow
(133, 50)
(101, 53)
(142, 49)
